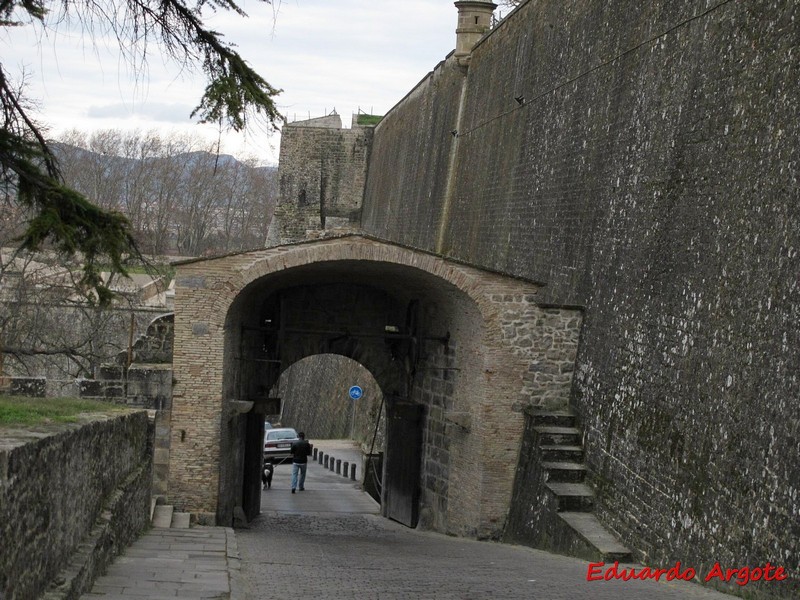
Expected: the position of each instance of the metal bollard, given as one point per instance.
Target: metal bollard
(314, 455)
(345, 468)
(338, 466)
(333, 464)
(325, 460)
(319, 458)
(353, 471)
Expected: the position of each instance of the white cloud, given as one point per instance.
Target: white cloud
(156, 111)
(348, 54)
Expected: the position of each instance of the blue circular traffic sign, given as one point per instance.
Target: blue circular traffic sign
(356, 392)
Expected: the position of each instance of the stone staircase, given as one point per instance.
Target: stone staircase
(164, 516)
(560, 447)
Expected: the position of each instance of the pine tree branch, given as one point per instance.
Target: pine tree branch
(65, 218)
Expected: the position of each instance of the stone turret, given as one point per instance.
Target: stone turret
(474, 20)
(322, 173)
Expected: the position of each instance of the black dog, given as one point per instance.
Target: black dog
(266, 475)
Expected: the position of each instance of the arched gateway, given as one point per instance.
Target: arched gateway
(458, 352)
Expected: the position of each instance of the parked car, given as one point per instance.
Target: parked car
(278, 444)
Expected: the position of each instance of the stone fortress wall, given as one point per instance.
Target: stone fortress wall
(640, 161)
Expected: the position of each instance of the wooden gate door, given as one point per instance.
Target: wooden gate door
(253, 456)
(401, 470)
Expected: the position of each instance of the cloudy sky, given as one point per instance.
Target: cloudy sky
(343, 54)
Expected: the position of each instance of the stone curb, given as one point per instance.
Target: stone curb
(235, 579)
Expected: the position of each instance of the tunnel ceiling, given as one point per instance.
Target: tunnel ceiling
(400, 281)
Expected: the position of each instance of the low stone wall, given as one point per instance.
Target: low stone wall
(71, 498)
(33, 387)
(140, 386)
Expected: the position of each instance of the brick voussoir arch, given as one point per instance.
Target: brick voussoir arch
(500, 389)
(207, 291)
(476, 284)
(491, 293)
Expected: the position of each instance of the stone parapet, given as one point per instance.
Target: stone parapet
(71, 498)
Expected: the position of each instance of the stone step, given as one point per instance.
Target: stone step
(589, 528)
(577, 497)
(162, 517)
(154, 501)
(558, 418)
(560, 453)
(564, 471)
(180, 520)
(558, 436)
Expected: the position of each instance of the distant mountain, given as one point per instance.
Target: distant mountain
(199, 157)
(191, 203)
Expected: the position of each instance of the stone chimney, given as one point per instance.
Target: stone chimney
(474, 20)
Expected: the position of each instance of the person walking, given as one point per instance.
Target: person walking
(301, 450)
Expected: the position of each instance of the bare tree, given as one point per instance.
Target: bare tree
(248, 196)
(166, 190)
(196, 211)
(46, 327)
(177, 193)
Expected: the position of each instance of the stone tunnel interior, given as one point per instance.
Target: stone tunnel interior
(314, 397)
(406, 327)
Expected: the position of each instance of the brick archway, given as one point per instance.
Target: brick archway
(474, 387)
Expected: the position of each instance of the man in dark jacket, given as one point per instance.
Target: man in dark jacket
(301, 450)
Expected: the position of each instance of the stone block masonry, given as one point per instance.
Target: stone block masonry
(640, 160)
(468, 373)
(71, 498)
(407, 179)
(322, 172)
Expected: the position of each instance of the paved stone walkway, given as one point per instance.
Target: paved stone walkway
(172, 563)
(329, 543)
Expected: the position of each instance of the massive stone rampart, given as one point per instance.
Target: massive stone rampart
(71, 498)
(407, 178)
(640, 159)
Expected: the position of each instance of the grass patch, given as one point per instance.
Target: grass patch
(16, 410)
(165, 270)
(364, 119)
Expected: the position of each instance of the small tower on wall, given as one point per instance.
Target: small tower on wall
(474, 20)
(322, 172)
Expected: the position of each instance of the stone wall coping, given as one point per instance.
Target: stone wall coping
(149, 366)
(276, 250)
(14, 436)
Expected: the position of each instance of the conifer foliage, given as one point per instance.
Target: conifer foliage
(29, 171)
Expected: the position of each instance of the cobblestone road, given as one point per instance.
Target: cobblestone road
(303, 547)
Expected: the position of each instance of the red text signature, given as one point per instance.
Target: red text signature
(741, 576)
